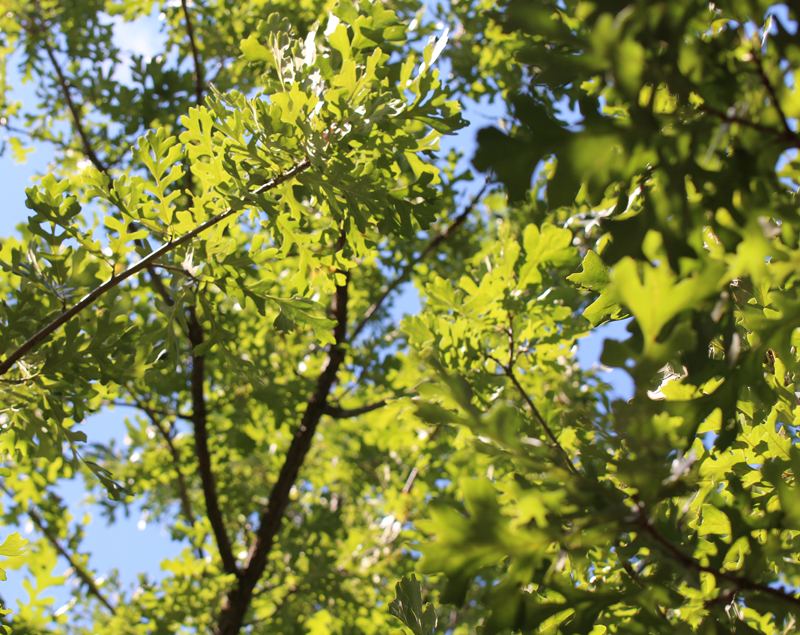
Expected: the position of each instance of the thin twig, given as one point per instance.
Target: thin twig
(186, 505)
(73, 109)
(152, 411)
(509, 372)
(33, 136)
(728, 119)
(79, 571)
(143, 264)
(457, 222)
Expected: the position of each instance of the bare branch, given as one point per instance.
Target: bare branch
(53, 540)
(438, 240)
(143, 264)
(238, 600)
(201, 448)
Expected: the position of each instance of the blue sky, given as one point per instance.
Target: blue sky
(131, 545)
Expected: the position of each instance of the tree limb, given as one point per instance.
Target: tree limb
(438, 240)
(53, 540)
(238, 599)
(143, 264)
(201, 448)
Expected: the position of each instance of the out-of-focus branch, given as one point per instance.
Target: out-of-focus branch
(199, 75)
(53, 540)
(341, 413)
(738, 582)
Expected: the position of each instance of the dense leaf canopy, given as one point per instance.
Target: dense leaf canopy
(223, 241)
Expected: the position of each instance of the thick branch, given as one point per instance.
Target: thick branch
(438, 240)
(340, 413)
(740, 583)
(79, 570)
(201, 448)
(238, 600)
(143, 264)
(199, 79)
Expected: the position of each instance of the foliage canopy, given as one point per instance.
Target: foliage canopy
(222, 239)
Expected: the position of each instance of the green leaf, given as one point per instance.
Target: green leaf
(407, 607)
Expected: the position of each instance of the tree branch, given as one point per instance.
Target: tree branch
(438, 240)
(79, 571)
(73, 109)
(773, 95)
(340, 413)
(143, 264)
(183, 492)
(201, 448)
(509, 372)
(740, 583)
(734, 118)
(150, 412)
(199, 79)
(238, 600)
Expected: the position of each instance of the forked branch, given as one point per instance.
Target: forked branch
(238, 600)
